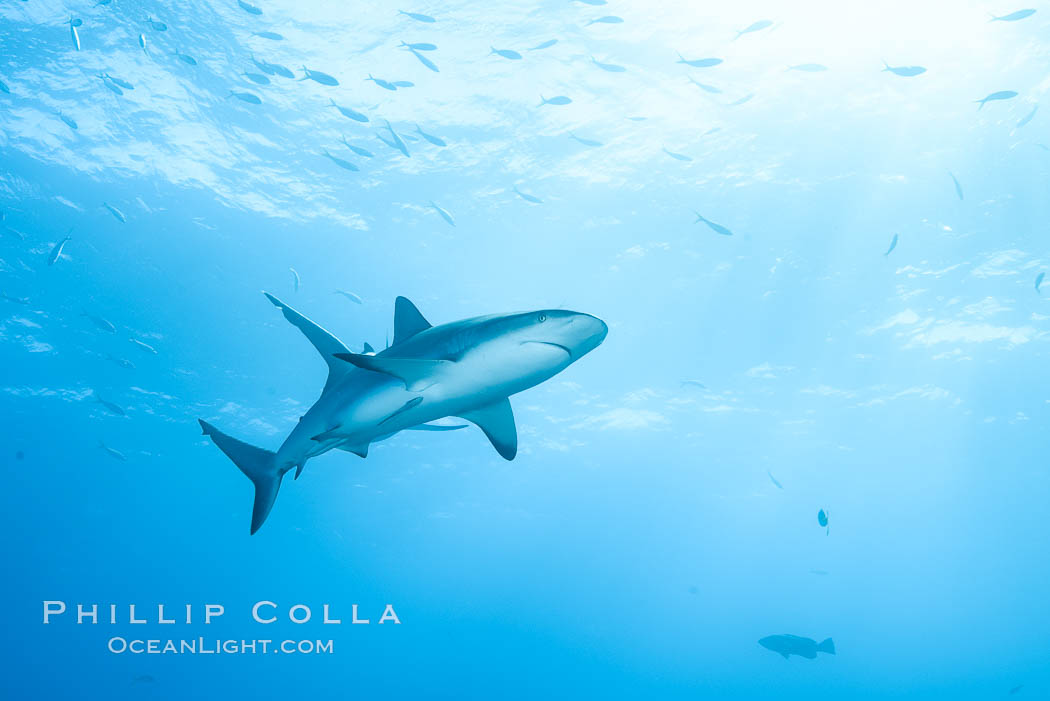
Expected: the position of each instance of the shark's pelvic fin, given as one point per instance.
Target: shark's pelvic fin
(417, 374)
(359, 450)
(257, 464)
(497, 421)
(407, 320)
(325, 343)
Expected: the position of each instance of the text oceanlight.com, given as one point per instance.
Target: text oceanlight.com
(200, 646)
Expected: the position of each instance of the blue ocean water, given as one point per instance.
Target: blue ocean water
(662, 513)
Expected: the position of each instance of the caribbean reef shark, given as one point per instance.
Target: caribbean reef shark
(467, 369)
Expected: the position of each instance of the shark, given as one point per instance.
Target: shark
(466, 369)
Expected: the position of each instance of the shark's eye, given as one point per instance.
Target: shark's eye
(542, 317)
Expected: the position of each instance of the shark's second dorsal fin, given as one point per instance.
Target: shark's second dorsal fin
(497, 421)
(407, 320)
(325, 343)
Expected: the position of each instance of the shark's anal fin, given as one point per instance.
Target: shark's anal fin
(325, 343)
(417, 374)
(407, 320)
(497, 421)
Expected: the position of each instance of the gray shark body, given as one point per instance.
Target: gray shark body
(466, 369)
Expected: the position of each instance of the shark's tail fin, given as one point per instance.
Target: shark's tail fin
(257, 464)
(827, 646)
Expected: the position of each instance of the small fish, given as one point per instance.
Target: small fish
(122, 83)
(705, 87)
(677, 156)
(102, 323)
(526, 196)
(358, 150)
(774, 480)
(1000, 95)
(272, 36)
(257, 78)
(586, 142)
(404, 84)
(754, 27)
(1013, 16)
(112, 87)
(505, 53)
(281, 70)
(693, 383)
(110, 406)
(142, 42)
(594, 3)
(893, 244)
(319, 77)
(637, 119)
(545, 45)
(114, 454)
(143, 678)
(904, 71)
(147, 348)
(16, 300)
(1027, 118)
(122, 362)
(185, 58)
(295, 278)
(444, 215)
(958, 187)
(344, 164)
(385, 84)
(437, 141)
(419, 47)
(822, 519)
(4, 88)
(809, 67)
(425, 61)
(717, 228)
(262, 65)
(1039, 281)
(745, 98)
(116, 213)
(698, 62)
(56, 250)
(157, 26)
(349, 295)
(1017, 688)
(398, 143)
(417, 17)
(73, 34)
(556, 100)
(822, 573)
(607, 19)
(610, 67)
(249, 8)
(70, 122)
(248, 97)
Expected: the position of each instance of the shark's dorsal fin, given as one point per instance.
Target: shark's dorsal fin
(497, 421)
(407, 320)
(369, 348)
(417, 374)
(325, 343)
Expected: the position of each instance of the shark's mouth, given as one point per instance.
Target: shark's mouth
(567, 350)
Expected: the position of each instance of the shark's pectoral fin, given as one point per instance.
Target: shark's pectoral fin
(325, 343)
(497, 421)
(416, 374)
